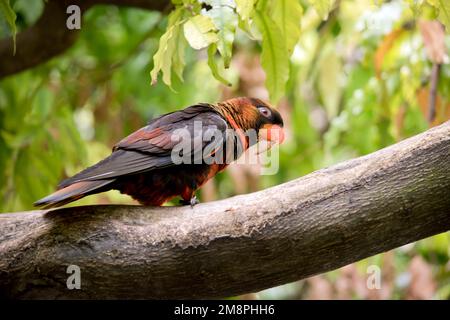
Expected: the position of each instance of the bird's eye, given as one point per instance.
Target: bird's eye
(265, 112)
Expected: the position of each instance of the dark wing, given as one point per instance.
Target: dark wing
(151, 147)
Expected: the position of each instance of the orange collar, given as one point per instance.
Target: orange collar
(239, 131)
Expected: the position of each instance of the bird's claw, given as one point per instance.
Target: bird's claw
(192, 202)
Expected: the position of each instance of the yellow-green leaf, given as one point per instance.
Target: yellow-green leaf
(167, 50)
(444, 11)
(212, 49)
(200, 32)
(287, 15)
(323, 7)
(226, 21)
(178, 58)
(274, 57)
(245, 8)
(10, 17)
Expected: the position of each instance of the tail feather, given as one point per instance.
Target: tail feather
(71, 193)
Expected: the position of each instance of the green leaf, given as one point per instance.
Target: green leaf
(10, 16)
(287, 15)
(444, 11)
(274, 56)
(212, 49)
(200, 32)
(245, 8)
(323, 7)
(178, 58)
(249, 28)
(167, 50)
(226, 21)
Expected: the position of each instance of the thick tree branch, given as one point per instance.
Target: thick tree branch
(314, 224)
(49, 36)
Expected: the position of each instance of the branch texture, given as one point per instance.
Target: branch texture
(49, 36)
(247, 243)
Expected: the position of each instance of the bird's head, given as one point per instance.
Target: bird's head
(250, 113)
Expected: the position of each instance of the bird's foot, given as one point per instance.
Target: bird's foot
(192, 202)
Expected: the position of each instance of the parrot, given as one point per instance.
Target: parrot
(170, 157)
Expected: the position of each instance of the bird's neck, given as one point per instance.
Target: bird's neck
(238, 116)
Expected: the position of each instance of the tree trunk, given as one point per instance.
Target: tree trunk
(313, 224)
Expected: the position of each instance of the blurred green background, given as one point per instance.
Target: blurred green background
(358, 81)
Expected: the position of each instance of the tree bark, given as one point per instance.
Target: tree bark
(310, 225)
(49, 36)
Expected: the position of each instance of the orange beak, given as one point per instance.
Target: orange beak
(272, 132)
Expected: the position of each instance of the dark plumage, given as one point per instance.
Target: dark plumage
(142, 166)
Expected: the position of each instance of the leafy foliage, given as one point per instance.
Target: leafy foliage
(277, 21)
(215, 27)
